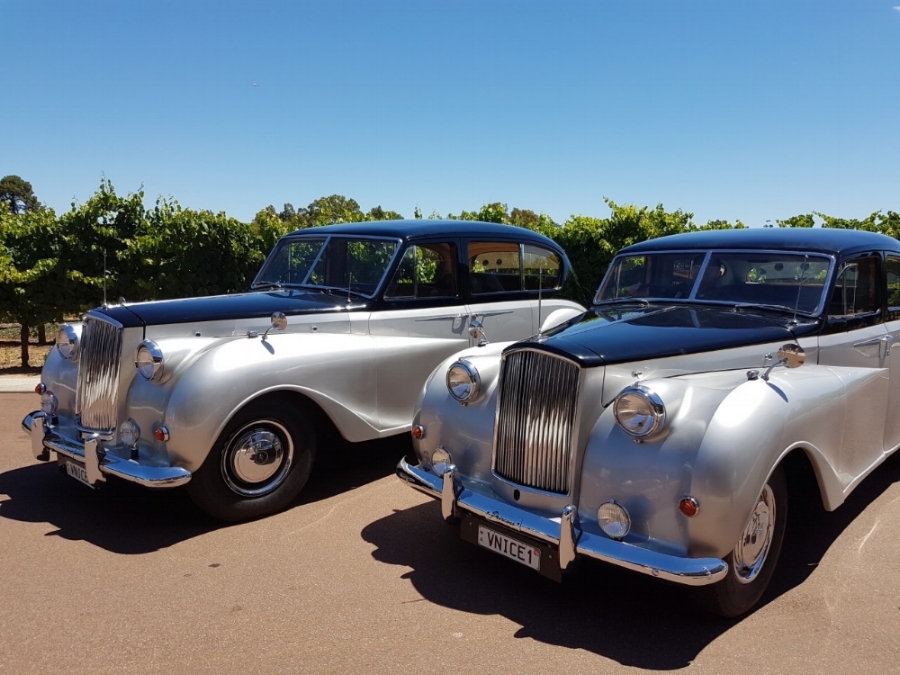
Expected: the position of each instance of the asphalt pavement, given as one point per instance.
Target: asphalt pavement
(361, 576)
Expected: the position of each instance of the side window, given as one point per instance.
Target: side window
(542, 268)
(892, 269)
(494, 267)
(856, 289)
(425, 271)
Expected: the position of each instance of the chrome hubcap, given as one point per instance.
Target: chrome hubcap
(258, 458)
(751, 550)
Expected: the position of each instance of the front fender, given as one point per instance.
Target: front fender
(202, 396)
(467, 430)
(724, 436)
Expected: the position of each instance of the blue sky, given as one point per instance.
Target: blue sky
(731, 110)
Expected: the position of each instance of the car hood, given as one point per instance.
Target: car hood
(257, 304)
(608, 335)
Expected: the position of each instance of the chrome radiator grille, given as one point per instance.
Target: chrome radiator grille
(536, 420)
(97, 394)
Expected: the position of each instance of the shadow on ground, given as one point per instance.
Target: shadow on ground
(125, 518)
(632, 619)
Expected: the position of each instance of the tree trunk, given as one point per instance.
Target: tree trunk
(24, 338)
(42, 334)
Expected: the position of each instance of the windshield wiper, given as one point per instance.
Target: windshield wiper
(625, 301)
(774, 308)
(266, 285)
(333, 290)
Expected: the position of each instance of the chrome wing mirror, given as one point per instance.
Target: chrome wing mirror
(279, 322)
(789, 356)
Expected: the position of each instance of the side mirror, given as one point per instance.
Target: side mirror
(279, 322)
(792, 355)
(789, 356)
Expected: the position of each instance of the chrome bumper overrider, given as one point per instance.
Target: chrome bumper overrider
(563, 532)
(96, 462)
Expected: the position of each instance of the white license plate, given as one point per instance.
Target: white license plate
(509, 547)
(77, 472)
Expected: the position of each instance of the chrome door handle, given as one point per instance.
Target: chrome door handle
(886, 339)
(497, 313)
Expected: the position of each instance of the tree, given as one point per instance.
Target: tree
(333, 209)
(802, 220)
(379, 213)
(18, 195)
(30, 272)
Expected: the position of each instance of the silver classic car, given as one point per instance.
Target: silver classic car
(233, 395)
(663, 430)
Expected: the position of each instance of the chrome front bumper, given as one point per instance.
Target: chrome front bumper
(96, 461)
(562, 532)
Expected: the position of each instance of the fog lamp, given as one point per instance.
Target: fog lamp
(440, 460)
(49, 403)
(613, 519)
(129, 432)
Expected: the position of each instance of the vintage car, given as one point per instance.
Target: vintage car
(716, 374)
(233, 395)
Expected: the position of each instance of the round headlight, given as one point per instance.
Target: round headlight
(613, 519)
(149, 361)
(49, 403)
(67, 342)
(639, 411)
(129, 432)
(463, 381)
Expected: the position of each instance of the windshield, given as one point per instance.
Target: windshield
(794, 281)
(341, 263)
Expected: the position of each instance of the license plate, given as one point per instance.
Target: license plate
(77, 472)
(509, 547)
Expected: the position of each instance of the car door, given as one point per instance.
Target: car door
(506, 280)
(856, 342)
(419, 321)
(892, 326)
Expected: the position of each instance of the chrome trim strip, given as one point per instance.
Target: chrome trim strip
(126, 469)
(685, 571)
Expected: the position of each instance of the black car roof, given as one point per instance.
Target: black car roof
(407, 229)
(812, 239)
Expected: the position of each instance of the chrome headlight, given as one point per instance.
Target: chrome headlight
(463, 381)
(149, 361)
(67, 342)
(639, 411)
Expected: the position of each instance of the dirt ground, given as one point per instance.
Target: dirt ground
(361, 575)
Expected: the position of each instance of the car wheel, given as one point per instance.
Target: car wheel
(752, 561)
(258, 465)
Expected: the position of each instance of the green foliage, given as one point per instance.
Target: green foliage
(802, 220)
(379, 213)
(180, 253)
(51, 266)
